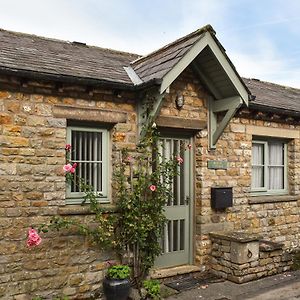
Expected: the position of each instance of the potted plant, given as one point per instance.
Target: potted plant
(116, 285)
(152, 288)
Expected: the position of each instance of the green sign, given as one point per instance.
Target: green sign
(217, 164)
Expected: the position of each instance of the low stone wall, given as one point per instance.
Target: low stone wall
(241, 257)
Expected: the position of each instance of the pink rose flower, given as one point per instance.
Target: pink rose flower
(179, 160)
(33, 238)
(73, 169)
(190, 146)
(152, 188)
(67, 168)
(68, 147)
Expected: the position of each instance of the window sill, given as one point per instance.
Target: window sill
(272, 199)
(84, 210)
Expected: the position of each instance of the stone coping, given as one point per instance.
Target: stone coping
(173, 271)
(268, 246)
(272, 199)
(84, 210)
(236, 236)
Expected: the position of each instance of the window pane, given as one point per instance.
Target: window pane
(257, 154)
(276, 178)
(257, 177)
(276, 154)
(87, 152)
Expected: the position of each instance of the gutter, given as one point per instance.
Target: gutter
(77, 80)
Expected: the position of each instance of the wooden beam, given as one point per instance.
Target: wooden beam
(148, 110)
(175, 122)
(230, 105)
(204, 78)
(228, 69)
(229, 114)
(226, 104)
(184, 61)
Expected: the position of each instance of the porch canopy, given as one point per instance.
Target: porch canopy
(203, 52)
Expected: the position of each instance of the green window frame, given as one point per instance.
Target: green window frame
(269, 167)
(89, 149)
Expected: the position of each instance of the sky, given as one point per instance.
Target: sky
(261, 37)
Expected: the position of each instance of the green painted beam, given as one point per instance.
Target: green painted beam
(204, 78)
(228, 69)
(226, 104)
(145, 117)
(230, 105)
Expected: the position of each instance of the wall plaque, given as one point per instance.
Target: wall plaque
(217, 164)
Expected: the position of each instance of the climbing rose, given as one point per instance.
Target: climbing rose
(179, 160)
(33, 238)
(67, 168)
(68, 147)
(190, 146)
(73, 168)
(152, 188)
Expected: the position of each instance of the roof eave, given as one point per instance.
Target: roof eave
(34, 75)
(276, 110)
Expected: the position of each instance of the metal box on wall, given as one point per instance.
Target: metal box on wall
(221, 197)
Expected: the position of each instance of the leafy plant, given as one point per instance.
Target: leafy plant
(152, 288)
(142, 184)
(118, 272)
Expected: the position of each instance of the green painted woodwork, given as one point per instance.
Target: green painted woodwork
(148, 109)
(77, 197)
(230, 105)
(179, 210)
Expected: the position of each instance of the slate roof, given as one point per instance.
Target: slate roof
(20, 51)
(158, 63)
(270, 95)
(43, 56)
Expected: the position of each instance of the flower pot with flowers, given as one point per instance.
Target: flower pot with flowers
(116, 284)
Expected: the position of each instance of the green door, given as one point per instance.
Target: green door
(177, 232)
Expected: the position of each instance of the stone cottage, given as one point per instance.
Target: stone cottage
(244, 134)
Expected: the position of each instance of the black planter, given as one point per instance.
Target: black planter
(116, 289)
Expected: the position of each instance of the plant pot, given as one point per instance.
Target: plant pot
(116, 289)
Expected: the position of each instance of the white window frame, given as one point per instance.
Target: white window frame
(77, 197)
(264, 189)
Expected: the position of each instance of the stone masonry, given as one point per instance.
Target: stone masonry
(241, 257)
(33, 120)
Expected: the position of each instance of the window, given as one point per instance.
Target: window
(90, 151)
(269, 166)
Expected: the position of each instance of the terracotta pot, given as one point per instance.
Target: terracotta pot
(116, 289)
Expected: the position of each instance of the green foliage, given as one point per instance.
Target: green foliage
(152, 288)
(142, 217)
(119, 272)
(135, 231)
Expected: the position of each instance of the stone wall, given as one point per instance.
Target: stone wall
(241, 257)
(32, 185)
(274, 217)
(33, 119)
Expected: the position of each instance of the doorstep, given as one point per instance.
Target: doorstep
(173, 271)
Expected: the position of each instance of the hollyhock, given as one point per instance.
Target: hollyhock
(179, 160)
(33, 238)
(152, 187)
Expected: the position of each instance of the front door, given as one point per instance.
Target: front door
(176, 238)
